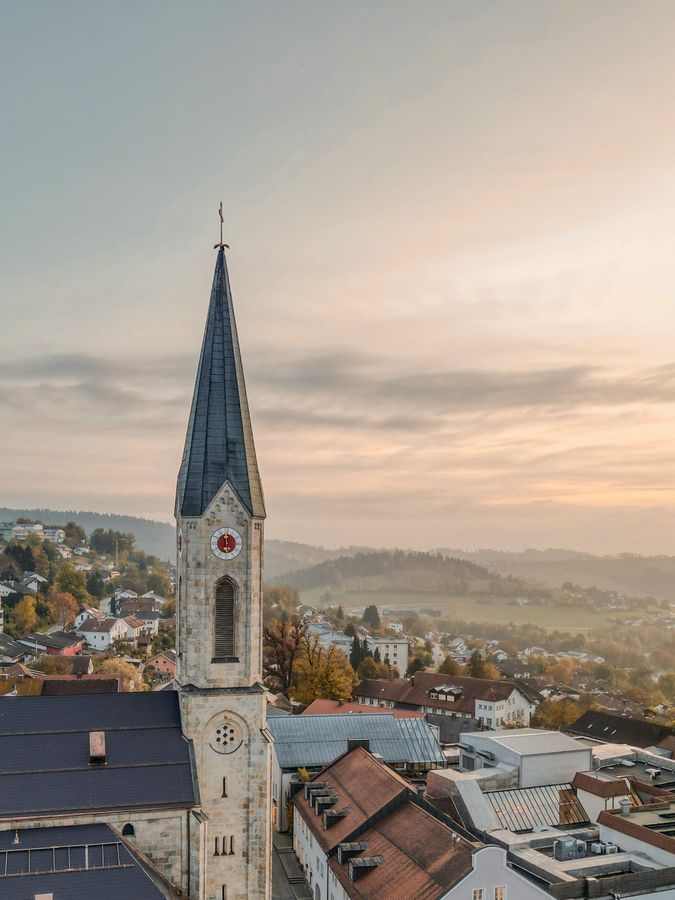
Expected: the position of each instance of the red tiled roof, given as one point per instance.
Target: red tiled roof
(420, 859)
(362, 784)
(133, 622)
(415, 692)
(330, 707)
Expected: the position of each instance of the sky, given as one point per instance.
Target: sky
(452, 260)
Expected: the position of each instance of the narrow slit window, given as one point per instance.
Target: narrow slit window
(224, 794)
(224, 620)
(216, 852)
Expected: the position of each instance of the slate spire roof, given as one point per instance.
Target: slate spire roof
(219, 443)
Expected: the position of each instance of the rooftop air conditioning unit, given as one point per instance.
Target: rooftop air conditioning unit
(597, 847)
(564, 849)
(611, 848)
(579, 849)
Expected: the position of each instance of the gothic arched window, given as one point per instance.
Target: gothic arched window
(223, 625)
(128, 830)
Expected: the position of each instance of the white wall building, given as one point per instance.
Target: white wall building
(393, 649)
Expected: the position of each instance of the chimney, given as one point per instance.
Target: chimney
(346, 851)
(44, 897)
(97, 748)
(412, 680)
(353, 743)
(362, 865)
(624, 805)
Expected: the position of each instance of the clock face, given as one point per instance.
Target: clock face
(226, 543)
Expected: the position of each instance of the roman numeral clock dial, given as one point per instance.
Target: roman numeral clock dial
(226, 543)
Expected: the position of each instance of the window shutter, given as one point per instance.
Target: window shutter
(223, 641)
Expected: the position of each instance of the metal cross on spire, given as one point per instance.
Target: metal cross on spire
(221, 244)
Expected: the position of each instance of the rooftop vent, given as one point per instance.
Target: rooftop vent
(624, 806)
(313, 786)
(331, 816)
(352, 743)
(321, 803)
(361, 865)
(97, 748)
(346, 851)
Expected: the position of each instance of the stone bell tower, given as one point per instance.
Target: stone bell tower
(219, 515)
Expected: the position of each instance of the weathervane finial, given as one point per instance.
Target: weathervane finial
(221, 244)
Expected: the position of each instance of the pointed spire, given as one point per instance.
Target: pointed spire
(219, 443)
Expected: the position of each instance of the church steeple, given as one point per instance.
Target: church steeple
(219, 443)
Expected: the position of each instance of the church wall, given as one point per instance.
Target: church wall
(161, 835)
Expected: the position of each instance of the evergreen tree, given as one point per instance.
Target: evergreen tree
(355, 655)
(377, 656)
(371, 617)
(476, 666)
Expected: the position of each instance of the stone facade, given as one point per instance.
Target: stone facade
(223, 705)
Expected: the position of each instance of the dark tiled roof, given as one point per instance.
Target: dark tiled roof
(62, 685)
(619, 729)
(219, 442)
(57, 640)
(44, 754)
(114, 872)
(102, 626)
(416, 693)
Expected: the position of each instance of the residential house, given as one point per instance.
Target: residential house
(33, 582)
(101, 634)
(87, 612)
(163, 664)
(54, 643)
(135, 628)
(492, 703)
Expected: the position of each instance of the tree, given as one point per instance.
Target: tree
(356, 654)
(414, 665)
(449, 666)
(74, 534)
(322, 672)
(377, 656)
(126, 671)
(24, 615)
(369, 668)
(282, 646)
(340, 614)
(64, 607)
(280, 602)
(96, 584)
(666, 684)
(70, 581)
(371, 618)
(52, 665)
(476, 665)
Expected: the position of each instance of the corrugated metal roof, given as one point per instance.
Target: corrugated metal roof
(524, 808)
(44, 754)
(318, 740)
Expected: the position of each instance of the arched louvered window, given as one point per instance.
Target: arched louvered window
(223, 634)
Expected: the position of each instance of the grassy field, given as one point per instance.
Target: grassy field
(475, 609)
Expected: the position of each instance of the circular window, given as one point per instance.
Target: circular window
(226, 737)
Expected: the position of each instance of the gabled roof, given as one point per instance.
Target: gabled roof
(414, 692)
(101, 626)
(219, 442)
(611, 729)
(318, 740)
(421, 858)
(44, 754)
(363, 786)
(57, 640)
(62, 685)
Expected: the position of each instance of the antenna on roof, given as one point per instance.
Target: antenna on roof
(221, 244)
